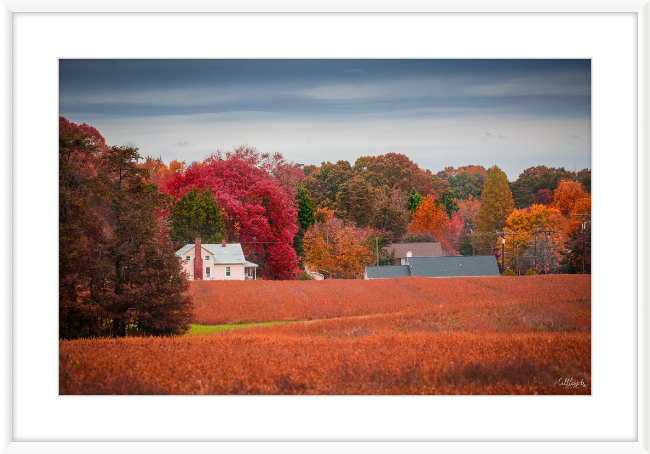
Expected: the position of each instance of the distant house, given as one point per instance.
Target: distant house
(216, 262)
(405, 250)
(482, 265)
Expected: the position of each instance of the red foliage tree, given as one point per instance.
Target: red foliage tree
(261, 211)
(544, 197)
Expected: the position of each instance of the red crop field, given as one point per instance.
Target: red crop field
(219, 302)
(516, 335)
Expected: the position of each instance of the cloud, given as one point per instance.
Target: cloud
(490, 136)
(130, 144)
(182, 144)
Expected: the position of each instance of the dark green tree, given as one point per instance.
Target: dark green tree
(146, 289)
(197, 215)
(305, 219)
(464, 184)
(355, 201)
(533, 179)
(323, 184)
(414, 200)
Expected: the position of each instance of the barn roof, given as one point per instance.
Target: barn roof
(387, 271)
(482, 265)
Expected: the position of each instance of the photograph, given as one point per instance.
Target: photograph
(325, 226)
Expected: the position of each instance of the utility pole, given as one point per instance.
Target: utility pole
(471, 235)
(503, 247)
(535, 259)
(377, 244)
(583, 215)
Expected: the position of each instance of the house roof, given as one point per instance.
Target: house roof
(482, 265)
(417, 249)
(232, 253)
(388, 271)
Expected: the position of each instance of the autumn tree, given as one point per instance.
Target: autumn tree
(260, 211)
(468, 213)
(355, 201)
(81, 230)
(496, 206)
(584, 178)
(543, 197)
(581, 206)
(336, 250)
(430, 217)
(523, 229)
(576, 257)
(390, 213)
(397, 171)
(496, 202)
(323, 184)
(146, 288)
(117, 267)
(566, 195)
(197, 215)
(533, 179)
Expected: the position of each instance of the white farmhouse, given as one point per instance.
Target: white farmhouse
(216, 262)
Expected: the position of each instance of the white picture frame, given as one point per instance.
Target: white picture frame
(13, 284)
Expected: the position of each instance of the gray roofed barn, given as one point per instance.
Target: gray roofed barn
(482, 265)
(387, 271)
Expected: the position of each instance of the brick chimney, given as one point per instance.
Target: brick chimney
(198, 260)
(223, 243)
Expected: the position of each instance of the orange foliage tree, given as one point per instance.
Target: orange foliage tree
(522, 227)
(581, 205)
(430, 217)
(566, 195)
(337, 251)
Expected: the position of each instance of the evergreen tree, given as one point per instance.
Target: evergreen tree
(145, 290)
(414, 200)
(197, 215)
(305, 219)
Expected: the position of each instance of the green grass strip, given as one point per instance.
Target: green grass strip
(205, 329)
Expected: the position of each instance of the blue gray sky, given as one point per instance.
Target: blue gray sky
(512, 113)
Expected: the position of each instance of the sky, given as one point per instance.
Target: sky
(511, 113)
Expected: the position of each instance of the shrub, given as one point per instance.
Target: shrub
(531, 272)
(305, 276)
(508, 272)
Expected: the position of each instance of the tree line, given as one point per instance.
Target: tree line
(121, 217)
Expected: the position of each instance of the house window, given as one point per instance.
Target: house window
(227, 271)
(187, 258)
(207, 257)
(207, 271)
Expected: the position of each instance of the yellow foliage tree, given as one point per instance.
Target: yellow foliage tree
(337, 251)
(522, 226)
